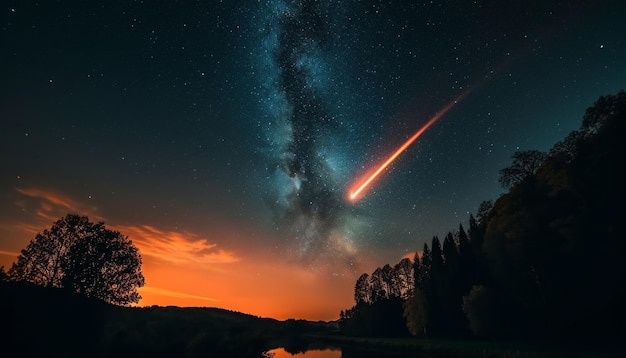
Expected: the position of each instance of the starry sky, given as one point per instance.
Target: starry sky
(223, 137)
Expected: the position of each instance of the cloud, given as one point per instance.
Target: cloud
(9, 253)
(411, 255)
(51, 205)
(35, 209)
(175, 294)
(176, 247)
(171, 246)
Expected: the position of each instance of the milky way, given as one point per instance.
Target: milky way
(308, 197)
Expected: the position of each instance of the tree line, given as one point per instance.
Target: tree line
(543, 261)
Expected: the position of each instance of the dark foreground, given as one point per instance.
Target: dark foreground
(42, 322)
(411, 347)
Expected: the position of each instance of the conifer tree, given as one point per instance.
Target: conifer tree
(466, 258)
(426, 268)
(417, 273)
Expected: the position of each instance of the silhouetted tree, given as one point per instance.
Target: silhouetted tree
(476, 235)
(417, 273)
(106, 266)
(426, 268)
(3, 274)
(485, 312)
(390, 281)
(404, 276)
(483, 213)
(451, 255)
(363, 289)
(378, 286)
(607, 111)
(83, 257)
(416, 312)
(519, 247)
(467, 263)
(436, 257)
(525, 165)
(455, 321)
(436, 295)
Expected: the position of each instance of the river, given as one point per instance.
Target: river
(315, 353)
(346, 352)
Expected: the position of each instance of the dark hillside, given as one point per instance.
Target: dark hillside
(54, 322)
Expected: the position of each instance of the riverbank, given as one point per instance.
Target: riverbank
(476, 348)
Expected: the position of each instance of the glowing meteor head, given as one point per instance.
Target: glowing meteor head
(358, 189)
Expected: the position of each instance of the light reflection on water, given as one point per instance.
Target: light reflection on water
(326, 353)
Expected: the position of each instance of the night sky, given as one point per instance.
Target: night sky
(223, 136)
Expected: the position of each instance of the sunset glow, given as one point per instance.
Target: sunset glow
(187, 269)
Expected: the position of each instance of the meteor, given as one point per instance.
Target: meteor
(357, 190)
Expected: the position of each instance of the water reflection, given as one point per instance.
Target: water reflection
(302, 347)
(345, 352)
(324, 353)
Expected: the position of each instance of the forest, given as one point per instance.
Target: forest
(545, 261)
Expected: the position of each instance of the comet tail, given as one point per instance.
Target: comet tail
(358, 189)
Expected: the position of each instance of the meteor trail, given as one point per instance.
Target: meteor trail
(358, 188)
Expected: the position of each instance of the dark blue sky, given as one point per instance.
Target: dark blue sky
(255, 117)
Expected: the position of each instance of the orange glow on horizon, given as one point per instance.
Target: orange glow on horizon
(358, 190)
(254, 286)
(187, 268)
